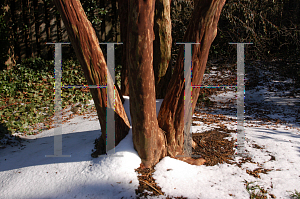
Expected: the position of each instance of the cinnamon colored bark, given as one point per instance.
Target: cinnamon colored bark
(148, 138)
(202, 29)
(86, 45)
(153, 137)
(123, 13)
(162, 46)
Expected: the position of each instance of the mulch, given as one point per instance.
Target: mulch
(214, 147)
(211, 146)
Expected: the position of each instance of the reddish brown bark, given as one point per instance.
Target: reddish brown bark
(148, 138)
(202, 29)
(152, 138)
(86, 45)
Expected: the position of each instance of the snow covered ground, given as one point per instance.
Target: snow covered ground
(25, 172)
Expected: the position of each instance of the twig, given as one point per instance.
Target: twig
(151, 187)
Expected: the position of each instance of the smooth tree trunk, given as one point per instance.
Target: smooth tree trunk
(86, 45)
(162, 46)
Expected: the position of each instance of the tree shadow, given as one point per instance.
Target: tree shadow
(32, 152)
(3, 130)
(99, 189)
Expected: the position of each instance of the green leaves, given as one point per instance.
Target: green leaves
(27, 93)
(93, 11)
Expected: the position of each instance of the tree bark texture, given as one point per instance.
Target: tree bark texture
(86, 45)
(148, 139)
(162, 46)
(202, 29)
(153, 137)
(123, 13)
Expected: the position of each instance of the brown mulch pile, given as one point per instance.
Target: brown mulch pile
(211, 146)
(147, 182)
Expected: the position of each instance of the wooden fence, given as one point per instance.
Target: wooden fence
(33, 23)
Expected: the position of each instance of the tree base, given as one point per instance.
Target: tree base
(192, 161)
(100, 147)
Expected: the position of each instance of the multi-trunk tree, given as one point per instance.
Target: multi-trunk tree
(146, 37)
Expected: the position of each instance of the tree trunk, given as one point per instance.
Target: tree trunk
(123, 13)
(148, 139)
(162, 46)
(202, 29)
(152, 138)
(86, 45)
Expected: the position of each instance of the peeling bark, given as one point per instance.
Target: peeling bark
(86, 45)
(202, 29)
(152, 138)
(148, 138)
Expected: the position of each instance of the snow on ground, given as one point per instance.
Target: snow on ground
(25, 172)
